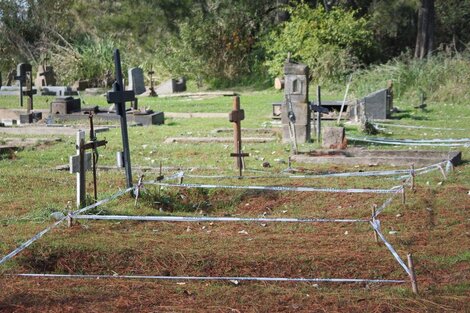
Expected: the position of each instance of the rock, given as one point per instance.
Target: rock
(266, 164)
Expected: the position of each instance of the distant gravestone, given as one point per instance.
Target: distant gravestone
(171, 86)
(45, 76)
(136, 80)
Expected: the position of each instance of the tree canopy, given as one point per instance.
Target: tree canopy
(216, 41)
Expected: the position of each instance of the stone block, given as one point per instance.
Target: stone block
(171, 86)
(156, 118)
(26, 118)
(65, 105)
(333, 138)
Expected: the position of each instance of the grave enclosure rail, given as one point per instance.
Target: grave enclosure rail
(373, 221)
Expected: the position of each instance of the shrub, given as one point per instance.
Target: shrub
(443, 77)
(90, 59)
(331, 43)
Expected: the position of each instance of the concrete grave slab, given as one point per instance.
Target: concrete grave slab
(253, 130)
(353, 157)
(216, 139)
(195, 115)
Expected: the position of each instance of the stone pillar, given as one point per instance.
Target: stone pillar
(296, 90)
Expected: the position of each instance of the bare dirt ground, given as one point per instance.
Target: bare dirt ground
(424, 226)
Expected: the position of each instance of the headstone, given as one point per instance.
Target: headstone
(65, 105)
(171, 86)
(81, 85)
(45, 76)
(296, 106)
(333, 138)
(136, 80)
(377, 105)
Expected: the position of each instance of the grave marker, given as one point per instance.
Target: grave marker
(136, 80)
(235, 117)
(295, 112)
(119, 97)
(84, 161)
(24, 74)
(152, 84)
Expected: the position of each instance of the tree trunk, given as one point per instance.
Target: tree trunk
(425, 31)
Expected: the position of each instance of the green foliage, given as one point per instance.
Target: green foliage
(331, 43)
(442, 77)
(92, 60)
(213, 47)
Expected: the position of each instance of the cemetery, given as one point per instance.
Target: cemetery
(150, 193)
(301, 123)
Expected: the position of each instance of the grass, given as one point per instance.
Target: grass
(30, 189)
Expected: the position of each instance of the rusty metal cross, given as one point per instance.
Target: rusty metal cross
(236, 116)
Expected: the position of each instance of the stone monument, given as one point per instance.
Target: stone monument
(295, 108)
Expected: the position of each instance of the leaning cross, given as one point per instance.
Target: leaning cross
(119, 97)
(236, 116)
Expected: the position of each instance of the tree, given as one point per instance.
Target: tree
(425, 31)
(331, 43)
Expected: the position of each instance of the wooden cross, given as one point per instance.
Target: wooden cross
(236, 116)
(82, 162)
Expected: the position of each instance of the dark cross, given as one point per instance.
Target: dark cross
(152, 87)
(235, 117)
(24, 73)
(119, 97)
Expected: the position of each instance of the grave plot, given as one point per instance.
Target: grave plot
(8, 146)
(314, 208)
